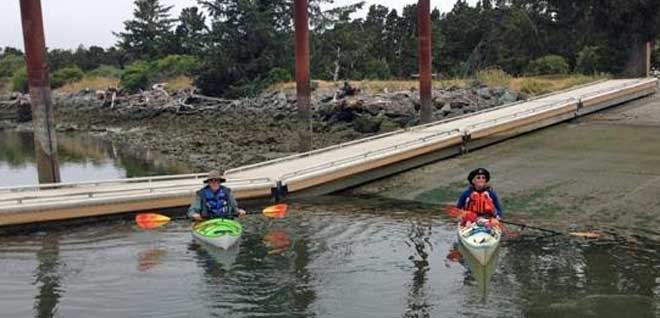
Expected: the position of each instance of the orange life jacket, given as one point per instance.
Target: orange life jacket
(481, 203)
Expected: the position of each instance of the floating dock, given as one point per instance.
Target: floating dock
(325, 170)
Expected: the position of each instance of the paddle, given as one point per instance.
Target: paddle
(154, 220)
(459, 213)
(151, 220)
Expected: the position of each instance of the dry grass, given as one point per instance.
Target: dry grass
(103, 83)
(4, 87)
(531, 85)
(371, 86)
(538, 85)
(494, 77)
(89, 82)
(178, 83)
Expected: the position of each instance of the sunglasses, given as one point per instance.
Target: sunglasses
(480, 177)
(214, 180)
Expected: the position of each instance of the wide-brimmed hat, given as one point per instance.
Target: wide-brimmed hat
(215, 174)
(478, 172)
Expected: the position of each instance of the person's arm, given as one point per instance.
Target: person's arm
(498, 205)
(234, 204)
(195, 209)
(462, 199)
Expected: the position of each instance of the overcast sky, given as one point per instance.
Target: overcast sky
(69, 23)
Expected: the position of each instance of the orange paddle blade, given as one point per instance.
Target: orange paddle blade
(455, 212)
(508, 232)
(151, 220)
(276, 211)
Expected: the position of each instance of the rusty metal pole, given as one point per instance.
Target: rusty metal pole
(424, 35)
(302, 74)
(648, 59)
(43, 121)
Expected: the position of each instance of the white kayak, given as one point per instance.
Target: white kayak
(220, 233)
(480, 241)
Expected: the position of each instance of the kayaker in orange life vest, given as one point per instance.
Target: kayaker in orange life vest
(480, 200)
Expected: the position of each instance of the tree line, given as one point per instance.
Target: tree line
(237, 47)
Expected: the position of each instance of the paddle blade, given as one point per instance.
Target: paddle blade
(590, 235)
(151, 220)
(454, 211)
(276, 211)
(508, 232)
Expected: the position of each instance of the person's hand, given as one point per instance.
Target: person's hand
(241, 213)
(196, 216)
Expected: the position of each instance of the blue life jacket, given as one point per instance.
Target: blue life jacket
(217, 204)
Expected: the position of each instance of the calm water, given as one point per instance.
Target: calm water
(382, 250)
(359, 257)
(81, 157)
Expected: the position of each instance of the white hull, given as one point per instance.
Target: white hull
(224, 242)
(481, 245)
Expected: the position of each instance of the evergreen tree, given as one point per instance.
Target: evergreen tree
(146, 36)
(191, 31)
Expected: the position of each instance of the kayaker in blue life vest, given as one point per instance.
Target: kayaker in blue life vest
(214, 200)
(479, 199)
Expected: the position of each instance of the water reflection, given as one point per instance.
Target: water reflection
(81, 157)
(255, 277)
(419, 237)
(151, 258)
(478, 273)
(47, 278)
(277, 241)
(345, 257)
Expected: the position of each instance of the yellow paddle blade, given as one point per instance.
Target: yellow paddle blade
(591, 235)
(276, 211)
(151, 220)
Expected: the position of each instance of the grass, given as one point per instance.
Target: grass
(178, 83)
(531, 85)
(103, 83)
(373, 86)
(538, 85)
(89, 82)
(4, 86)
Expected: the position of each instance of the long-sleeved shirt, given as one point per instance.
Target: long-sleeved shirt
(465, 196)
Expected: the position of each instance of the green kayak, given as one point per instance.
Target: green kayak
(222, 233)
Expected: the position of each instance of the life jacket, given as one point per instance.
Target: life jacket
(216, 204)
(481, 203)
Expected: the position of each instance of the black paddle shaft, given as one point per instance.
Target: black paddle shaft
(532, 227)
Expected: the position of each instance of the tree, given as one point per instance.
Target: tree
(146, 35)
(191, 31)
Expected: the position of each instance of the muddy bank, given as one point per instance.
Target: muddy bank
(203, 132)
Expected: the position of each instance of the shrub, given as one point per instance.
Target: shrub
(547, 65)
(10, 64)
(176, 65)
(494, 77)
(66, 75)
(588, 60)
(137, 76)
(377, 69)
(279, 75)
(106, 71)
(19, 81)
